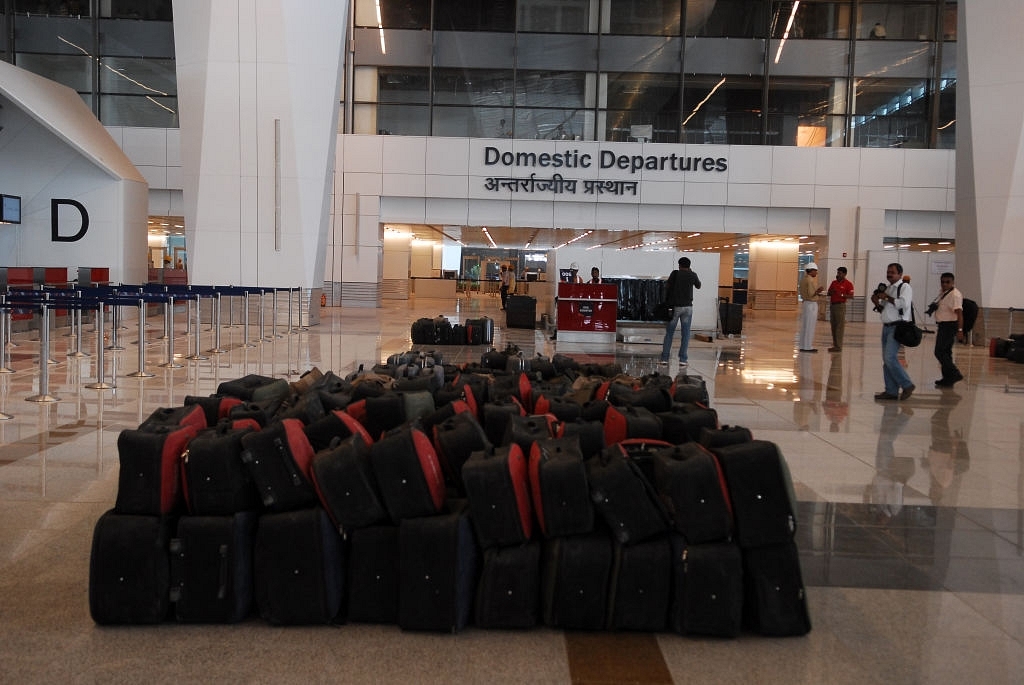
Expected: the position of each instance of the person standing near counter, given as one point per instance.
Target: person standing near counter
(679, 296)
(839, 292)
(810, 291)
(507, 279)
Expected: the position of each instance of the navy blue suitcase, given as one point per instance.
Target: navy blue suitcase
(774, 598)
(373, 575)
(576, 571)
(508, 594)
(640, 588)
(708, 595)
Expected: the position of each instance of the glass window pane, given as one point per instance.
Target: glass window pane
(896, 21)
(946, 124)
(473, 122)
(403, 85)
(53, 8)
(722, 110)
(475, 87)
(474, 15)
(137, 110)
(553, 124)
(545, 16)
(70, 70)
(550, 89)
(159, 10)
(811, 19)
(403, 120)
(644, 17)
(806, 130)
(137, 76)
(646, 92)
(727, 18)
(619, 124)
(891, 113)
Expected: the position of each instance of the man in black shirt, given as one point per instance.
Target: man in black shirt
(679, 296)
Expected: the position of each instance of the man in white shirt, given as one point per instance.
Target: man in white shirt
(949, 324)
(895, 302)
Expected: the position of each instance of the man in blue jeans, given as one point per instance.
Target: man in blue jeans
(679, 296)
(893, 302)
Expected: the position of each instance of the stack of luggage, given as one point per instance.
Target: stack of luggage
(544, 491)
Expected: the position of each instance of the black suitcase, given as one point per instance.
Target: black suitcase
(521, 311)
(526, 430)
(438, 563)
(575, 575)
(508, 594)
(624, 498)
(299, 569)
(685, 421)
(640, 587)
(558, 488)
(129, 569)
(691, 389)
(345, 485)
(712, 438)
(422, 332)
(708, 596)
(498, 490)
(215, 407)
(279, 459)
(211, 568)
(216, 482)
(373, 575)
(693, 488)
(408, 474)
(187, 415)
(255, 388)
(650, 397)
(731, 317)
(563, 408)
(774, 599)
(495, 417)
(149, 480)
(474, 332)
(761, 491)
(589, 433)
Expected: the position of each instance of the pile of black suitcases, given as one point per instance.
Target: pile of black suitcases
(569, 495)
(441, 331)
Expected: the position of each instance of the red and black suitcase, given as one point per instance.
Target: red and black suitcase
(589, 433)
(187, 415)
(279, 458)
(379, 414)
(640, 588)
(211, 568)
(563, 408)
(149, 481)
(372, 588)
(334, 427)
(558, 488)
(298, 563)
(495, 417)
(774, 598)
(408, 474)
(508, 594)
(346, 486)
(693, 487)
(526, 430)
(214, 479)
(438, 562)
(761, 492)
(215, 407)
(498, 491)
(624, 498)
(456, 439)
(726, 435)
(625, 422)
(690, 390)
(708, 596)
(651, 397)
(129, 569)
(575, 574)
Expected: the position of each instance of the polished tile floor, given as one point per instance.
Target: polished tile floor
(911, 524)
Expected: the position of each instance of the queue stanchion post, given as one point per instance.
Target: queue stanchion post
(291, 299)
(141, 373)
(273, 328)
(76, 314)
(115, 326)
(169, 327)
(245, 320)
(261, 317)
(217, 349)
(5, 356)
(198, 355)
(44, 356)
(100, 383)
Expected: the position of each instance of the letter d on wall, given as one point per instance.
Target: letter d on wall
(55, 235)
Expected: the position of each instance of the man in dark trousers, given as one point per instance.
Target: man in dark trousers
(948, 311)
(679, 296)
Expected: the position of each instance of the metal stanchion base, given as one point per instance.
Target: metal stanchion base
(79, 354)
(5, 417)
(216, 350)
(51, 361)
(41, 398)
(139, 374)
(6, 370)
(114, 347)
(171, 365)
(247, 344)
(197, 357)
(99, 386)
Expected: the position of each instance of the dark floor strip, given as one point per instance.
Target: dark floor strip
(619, 658)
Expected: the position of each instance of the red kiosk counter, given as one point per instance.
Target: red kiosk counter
(587, 313)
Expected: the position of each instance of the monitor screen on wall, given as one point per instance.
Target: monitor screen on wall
(10, 209)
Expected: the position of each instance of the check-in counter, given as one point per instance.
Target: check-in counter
(434, 287)
(587, 313)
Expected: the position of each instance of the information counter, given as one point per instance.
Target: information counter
(587, 313)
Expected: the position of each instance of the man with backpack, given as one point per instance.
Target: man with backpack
(948, 311)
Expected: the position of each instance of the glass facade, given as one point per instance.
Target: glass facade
(761, 72)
